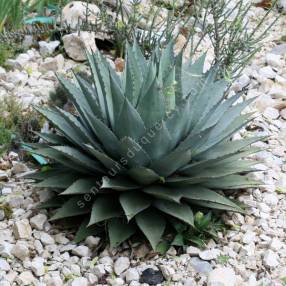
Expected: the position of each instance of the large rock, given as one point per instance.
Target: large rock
(76, 45)
(75, 13)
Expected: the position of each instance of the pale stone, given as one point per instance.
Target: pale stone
(271, 199)
(61, 239)
(22, 229)
(267, 72)
(5, 249)
(38, 246)
(5, 283)
(19, 63)
(270, 259)
(223, 276)
(276, 244)
(135, 283)
(282, 5)
(3, 73)
(17, 77)
(99, 270)
(81, 251)
(38, 221)
(92, 241)
(2, 215)
(274, 60)
(28, 41)
(37, 266)
(6, 191)
(193, 251)
(283, 113)
(180, 43)
(79, 281)
(116, 282)
(47, 49)
(75, 13)
(3, 176)
(167, 271)
(46, 239)
(200, 265)
(172, 251)
(19, 168)
(189, 282)
(209, 254)
(4, 265)
(132, 275)
(249, 237)
(271, 113)
(241, 83)
(106, 260)
(52, 64)
(92, 279)
(75, 269)
(25, 278)
(20, 250)
(277, 91)
(121, 264)
(54, 281)
(76, 45)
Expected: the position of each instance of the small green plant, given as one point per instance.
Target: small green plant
(14, 12)
(11, 14)
(70, 277)
(134, 21)
(223, 259)
(206, 227)
(7, 51)
(131, 159)
(280, 190)
(5, 136)
(234, 43)
(8, 212)
(17, 124)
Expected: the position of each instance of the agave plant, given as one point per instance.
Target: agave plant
(144, 147)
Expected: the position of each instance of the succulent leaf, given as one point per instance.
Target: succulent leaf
(145, 146)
